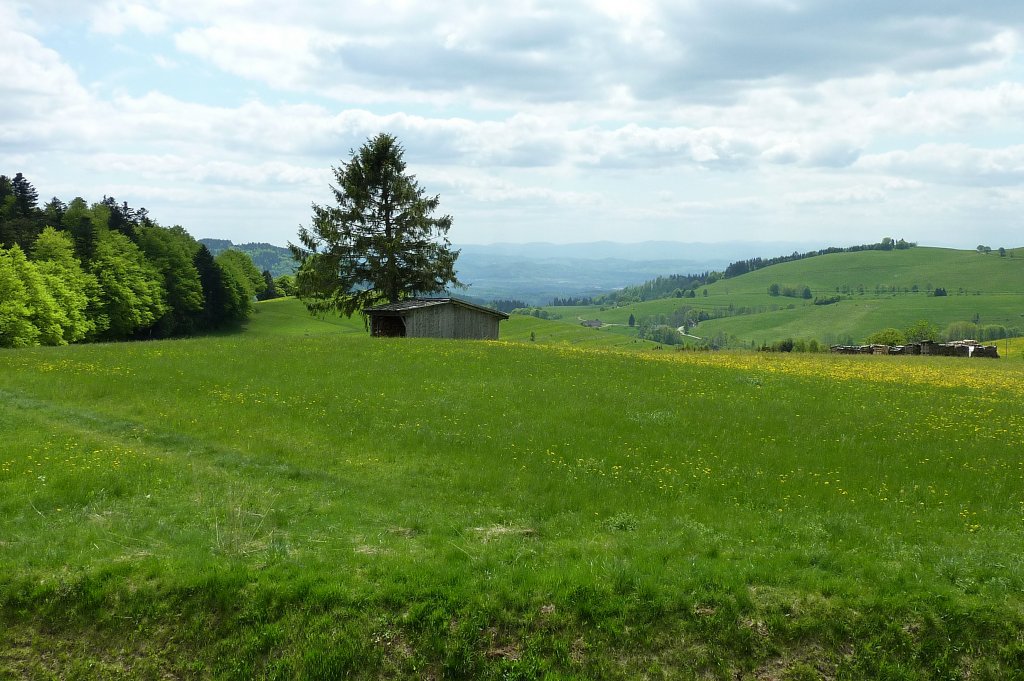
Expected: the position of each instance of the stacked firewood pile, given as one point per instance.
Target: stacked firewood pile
(960, 348)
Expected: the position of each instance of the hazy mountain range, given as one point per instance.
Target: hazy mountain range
(537, 272)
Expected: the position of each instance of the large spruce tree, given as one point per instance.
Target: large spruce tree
(380, 243)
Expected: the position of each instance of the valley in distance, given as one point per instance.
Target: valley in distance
(538, 272)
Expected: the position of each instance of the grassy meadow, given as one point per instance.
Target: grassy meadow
(986, 287)
(299, 500)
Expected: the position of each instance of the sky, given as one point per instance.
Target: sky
(830, 122)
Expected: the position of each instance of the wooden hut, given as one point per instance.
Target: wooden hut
(435, 318)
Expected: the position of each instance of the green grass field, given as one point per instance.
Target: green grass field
(301, 501)
(986, 287)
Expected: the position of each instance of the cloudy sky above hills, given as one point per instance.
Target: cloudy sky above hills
(822, 121)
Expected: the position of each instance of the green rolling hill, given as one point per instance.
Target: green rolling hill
(875, 290)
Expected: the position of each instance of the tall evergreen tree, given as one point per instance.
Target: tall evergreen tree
(78, 221)
(380, 242)
(7, 199)
(53, 212)
(122, 218)
(269, 288)
(20, 217)
(26, 198)
(215, 313)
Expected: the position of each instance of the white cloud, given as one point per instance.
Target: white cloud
(282, 56)
(587, 115)
(845, 195)
(958, 164)
(164, 62)
(33, 77)
(117, 16)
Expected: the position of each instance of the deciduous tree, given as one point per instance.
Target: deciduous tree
(888, 336)
(131, 293)
(28, 313)
(71, 286)
(171, 251)
(921, 330)
(242, 282)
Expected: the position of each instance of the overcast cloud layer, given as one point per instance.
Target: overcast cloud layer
(693, 120)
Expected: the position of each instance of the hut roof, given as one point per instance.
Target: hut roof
(396, 309)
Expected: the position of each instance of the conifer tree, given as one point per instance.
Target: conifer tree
(380, 243)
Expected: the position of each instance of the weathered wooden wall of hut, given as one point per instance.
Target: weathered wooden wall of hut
(450, 321)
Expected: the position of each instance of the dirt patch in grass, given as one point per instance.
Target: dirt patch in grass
(488, 534)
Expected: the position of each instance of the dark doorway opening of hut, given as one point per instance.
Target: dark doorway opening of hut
(389, 327)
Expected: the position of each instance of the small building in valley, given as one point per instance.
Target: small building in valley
(434, 318)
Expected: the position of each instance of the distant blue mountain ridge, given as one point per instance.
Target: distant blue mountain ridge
(537, 272)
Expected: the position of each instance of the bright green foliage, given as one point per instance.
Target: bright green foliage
(111, 272)
(15, 328)
(241, 282)
(886, 337)
(131, 295)
(656, 328)
(980, 332)
(285, 284)
(28, 313)
(922, 330)
(960, 331)
(70, 285)
(172, 251)
(242, 264)
(380, 243)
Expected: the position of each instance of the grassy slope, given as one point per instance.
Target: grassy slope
(993, 289)
(286, 316)
(303, 501)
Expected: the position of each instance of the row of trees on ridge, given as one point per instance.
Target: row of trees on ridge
(75, 272)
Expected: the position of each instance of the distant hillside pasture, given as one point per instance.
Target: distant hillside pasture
(876, 290)
(921, 267)
(569, 331)
(857, 318)
(303, 501)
